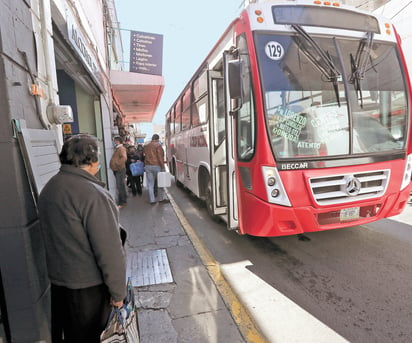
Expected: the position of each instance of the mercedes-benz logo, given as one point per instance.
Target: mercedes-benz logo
(353, 185)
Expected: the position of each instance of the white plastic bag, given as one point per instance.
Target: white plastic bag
(163, 179)
(145, 180)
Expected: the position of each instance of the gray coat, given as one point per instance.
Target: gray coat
(80, 226)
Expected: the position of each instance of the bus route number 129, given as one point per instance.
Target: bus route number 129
(274, 50)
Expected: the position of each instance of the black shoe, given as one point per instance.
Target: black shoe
(164, 201)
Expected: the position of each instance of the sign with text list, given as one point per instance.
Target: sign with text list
(146, 53)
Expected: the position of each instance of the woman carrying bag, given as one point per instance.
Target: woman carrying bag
(86, 265)
(134, 169)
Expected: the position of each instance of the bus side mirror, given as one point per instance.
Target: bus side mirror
(235, 82)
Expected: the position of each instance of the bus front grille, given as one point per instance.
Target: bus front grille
(343, 188)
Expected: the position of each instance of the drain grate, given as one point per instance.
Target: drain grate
(149, 268)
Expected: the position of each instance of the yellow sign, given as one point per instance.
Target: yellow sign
(67, 129)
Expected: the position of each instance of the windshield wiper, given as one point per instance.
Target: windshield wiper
(320, 59)
(359, 63)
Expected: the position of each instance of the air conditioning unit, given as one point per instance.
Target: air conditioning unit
(59, 114)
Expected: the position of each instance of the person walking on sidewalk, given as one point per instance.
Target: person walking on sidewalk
(140, 153)
(134, 180)
(79, 221)
(118, 165)
(154, 163)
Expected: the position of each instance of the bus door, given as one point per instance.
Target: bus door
(231, 189)
(217, 204)
(241, 129)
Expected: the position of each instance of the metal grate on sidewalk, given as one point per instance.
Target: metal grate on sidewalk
(149, 268)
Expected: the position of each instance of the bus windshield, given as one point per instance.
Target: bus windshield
(331, 96)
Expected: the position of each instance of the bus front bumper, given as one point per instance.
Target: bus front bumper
(274, 220)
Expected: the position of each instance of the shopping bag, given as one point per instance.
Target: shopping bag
(145, 180)
(163, 179)
(122, 323)
(137, 168)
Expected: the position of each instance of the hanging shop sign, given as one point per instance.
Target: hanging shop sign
(83, 49)
(146, 53)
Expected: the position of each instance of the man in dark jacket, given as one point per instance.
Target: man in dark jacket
(85, 259)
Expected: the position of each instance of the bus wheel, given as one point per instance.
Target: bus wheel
(209, 198)
(173, 167)
(178, 183)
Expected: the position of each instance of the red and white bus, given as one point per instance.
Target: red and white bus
(298, 120)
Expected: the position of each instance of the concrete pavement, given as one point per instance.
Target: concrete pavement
(186, 308)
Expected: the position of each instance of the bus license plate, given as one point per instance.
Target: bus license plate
(348, 214)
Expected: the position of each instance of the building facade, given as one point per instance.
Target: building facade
(57, 58)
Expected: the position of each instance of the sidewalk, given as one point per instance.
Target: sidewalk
(176, 297)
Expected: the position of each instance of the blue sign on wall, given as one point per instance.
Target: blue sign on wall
(146, 53)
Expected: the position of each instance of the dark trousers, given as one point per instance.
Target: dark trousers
(79, 315)
(135, 183)
(120, 177)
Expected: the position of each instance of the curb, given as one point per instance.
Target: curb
(239, 313)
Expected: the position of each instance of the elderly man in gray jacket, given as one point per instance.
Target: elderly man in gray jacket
(85, 259)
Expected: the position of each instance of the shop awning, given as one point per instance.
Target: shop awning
(136, 95)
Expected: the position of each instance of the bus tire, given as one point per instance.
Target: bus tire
(209, 202)
(173, 167)
(209, 198)
(178, 183)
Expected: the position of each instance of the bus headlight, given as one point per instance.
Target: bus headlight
(407, 173)
(276, 193)
(271, 181)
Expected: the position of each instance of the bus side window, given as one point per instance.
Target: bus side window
(199, 100)
(186, 101)
(246, 115)
(172, 120)
(219, 110)
(195, 115)
(178, 117)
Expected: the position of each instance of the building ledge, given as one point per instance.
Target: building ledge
(137, 95)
